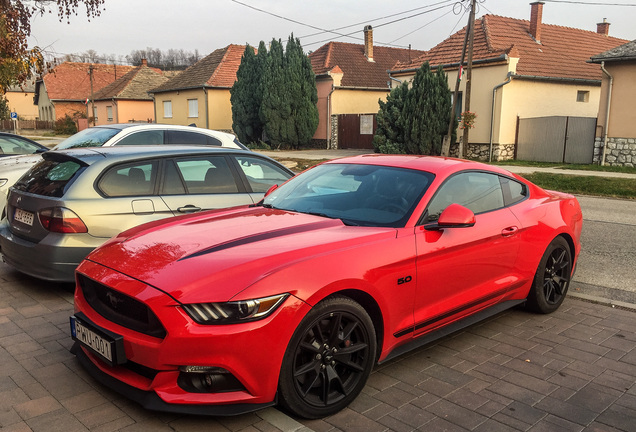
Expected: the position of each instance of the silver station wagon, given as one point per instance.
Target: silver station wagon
(74, 200)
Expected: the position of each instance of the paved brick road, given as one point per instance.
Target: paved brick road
(573, 370)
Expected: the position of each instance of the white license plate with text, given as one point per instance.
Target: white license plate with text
(23, 216)
(92, 340)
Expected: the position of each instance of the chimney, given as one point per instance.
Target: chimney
(144, 62)
(368, 42)
(603, 27)
(536, 14)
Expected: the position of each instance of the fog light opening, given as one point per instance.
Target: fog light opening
(208, 379)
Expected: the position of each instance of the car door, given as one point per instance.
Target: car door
(129, 198)
(195, 183)
(464, 269)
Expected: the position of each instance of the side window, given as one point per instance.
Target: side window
(149, 137)
(513, 191)
(479, 192)
(189, 137)
(135, 179)
(207, 175)
(261, 174)
(172, 181)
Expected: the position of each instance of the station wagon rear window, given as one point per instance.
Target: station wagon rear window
(49, 177)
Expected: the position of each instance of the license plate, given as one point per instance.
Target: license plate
(23, 216)
(105, 344)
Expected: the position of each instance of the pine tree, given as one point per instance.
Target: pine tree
(275, 107)
(389, 134)
(419, 125)
(246, 96)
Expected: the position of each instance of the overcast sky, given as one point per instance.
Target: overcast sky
(206, 25)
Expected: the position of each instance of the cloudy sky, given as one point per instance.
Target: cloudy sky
(206, 25)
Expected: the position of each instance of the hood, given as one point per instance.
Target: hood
(216, 255)
(19, 160)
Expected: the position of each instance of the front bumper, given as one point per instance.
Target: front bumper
(252, 352)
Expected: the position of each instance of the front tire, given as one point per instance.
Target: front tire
(552, 278)
(328, 360)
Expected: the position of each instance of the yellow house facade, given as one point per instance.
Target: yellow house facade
(20, 100)
(521, 70)
(201, 94)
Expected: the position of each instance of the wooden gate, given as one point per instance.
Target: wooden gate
(556, 139)
(355, 131)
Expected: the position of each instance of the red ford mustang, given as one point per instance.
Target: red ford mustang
(296, 299)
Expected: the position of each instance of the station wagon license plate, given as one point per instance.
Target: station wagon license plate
(23, 216)
(106, 345)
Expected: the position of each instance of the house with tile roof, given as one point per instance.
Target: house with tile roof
(127, 99)
(350, 79)
(615, 142)
(201, 94)
(521, 70)
(65, 90)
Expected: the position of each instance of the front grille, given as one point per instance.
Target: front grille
(120, 308)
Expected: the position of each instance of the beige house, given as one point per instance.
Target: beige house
(350, 79)
(200, 95)
(616, 127)
(20, 100)
(522, 71)
(127, 99)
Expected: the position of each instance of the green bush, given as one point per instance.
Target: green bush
(65, 126)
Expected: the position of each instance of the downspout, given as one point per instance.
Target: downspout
(207, 109)
(607, 110)
(492, 110)
(328, 119)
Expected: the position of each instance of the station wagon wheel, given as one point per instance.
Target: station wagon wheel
(552, 279)
(328, 360)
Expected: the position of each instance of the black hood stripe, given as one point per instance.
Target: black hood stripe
(261, 237)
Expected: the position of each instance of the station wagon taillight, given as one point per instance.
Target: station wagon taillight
(61, 220)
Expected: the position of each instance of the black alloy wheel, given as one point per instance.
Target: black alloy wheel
(552, 279)
(329, 359)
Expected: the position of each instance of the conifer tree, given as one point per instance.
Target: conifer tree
(246, 96)
(389, 133)
(275, 107)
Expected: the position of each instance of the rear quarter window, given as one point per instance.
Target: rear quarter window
(49, 178)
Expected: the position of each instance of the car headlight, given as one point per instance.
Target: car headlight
(234, 312)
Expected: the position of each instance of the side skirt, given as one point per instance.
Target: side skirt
(452, 328)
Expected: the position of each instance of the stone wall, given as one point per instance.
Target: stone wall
(333, 140)
(620, 151)
(500, 152)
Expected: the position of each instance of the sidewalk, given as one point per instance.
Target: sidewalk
(334, 154)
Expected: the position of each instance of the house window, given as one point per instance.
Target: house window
(582, 96)
(193, 108)
(109, 112)
(167, 109)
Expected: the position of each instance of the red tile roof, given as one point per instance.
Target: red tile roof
(71, 81)
(216, 70)
(134, 85)
(562, 53)
(357, 70)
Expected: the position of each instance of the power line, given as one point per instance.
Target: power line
(591, 3)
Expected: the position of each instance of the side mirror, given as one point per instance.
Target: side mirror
(455, 216)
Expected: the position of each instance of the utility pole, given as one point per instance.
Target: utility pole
(469, 75)
(92, 114)
(446, 144)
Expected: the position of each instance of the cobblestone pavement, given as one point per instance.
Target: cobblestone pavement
(573, 370)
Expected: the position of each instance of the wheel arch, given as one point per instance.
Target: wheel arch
(570, 241)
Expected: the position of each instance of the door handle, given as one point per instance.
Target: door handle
(189, 209)
(510, 231)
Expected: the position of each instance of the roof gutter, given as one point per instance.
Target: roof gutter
(509, 78)
(361, 88)
(607, 110)
(559, 79)
(502, 57)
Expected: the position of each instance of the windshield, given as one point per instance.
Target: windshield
(367, 195)
(91, 137)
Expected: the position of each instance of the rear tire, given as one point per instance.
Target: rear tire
(328, 360)
(552, 279)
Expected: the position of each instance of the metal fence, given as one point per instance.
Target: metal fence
(11, 125)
